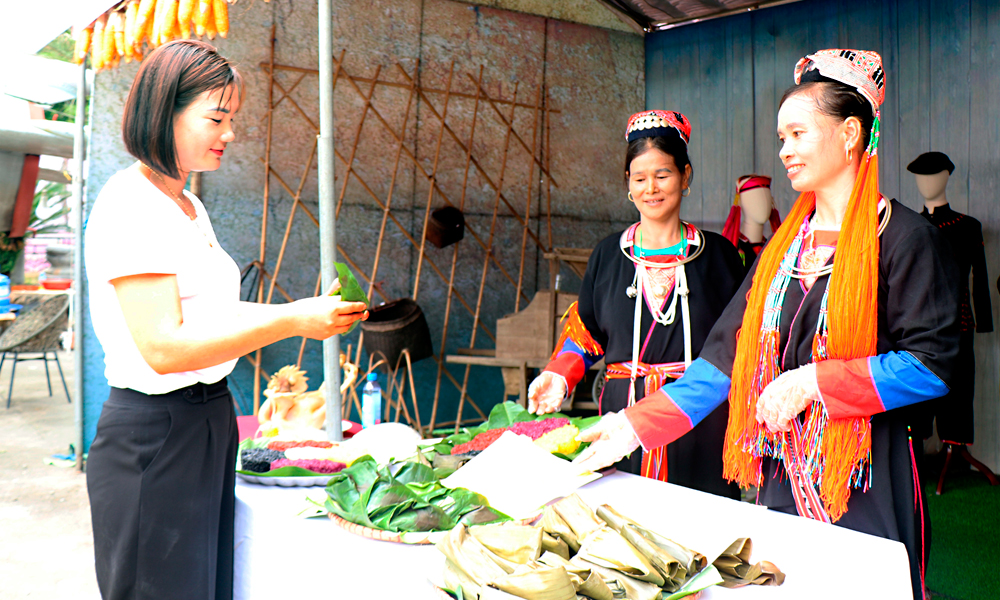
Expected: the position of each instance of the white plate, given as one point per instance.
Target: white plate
(305, 481)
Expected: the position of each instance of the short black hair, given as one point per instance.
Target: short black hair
(671, 144)
(168, 81)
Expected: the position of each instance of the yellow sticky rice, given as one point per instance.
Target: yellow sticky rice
(560, 441)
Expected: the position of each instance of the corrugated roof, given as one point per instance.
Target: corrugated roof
(653, 15)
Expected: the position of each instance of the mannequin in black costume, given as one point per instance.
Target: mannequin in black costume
(954, 413)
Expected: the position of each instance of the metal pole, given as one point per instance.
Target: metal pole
(77, 296)
(327, 216)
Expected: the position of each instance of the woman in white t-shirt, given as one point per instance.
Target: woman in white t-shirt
(164, 300)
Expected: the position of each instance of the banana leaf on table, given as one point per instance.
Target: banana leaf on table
(737, 571)
(403, 497)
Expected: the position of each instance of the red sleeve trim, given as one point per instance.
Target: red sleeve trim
(657, 421)
(570, 365)
(847, 388)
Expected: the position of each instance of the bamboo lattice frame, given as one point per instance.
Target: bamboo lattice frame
(485, 106)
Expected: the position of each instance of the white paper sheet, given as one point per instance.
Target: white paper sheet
(518, 477)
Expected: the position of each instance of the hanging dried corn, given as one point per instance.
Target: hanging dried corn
(119, 29)
(83, 37)
(110, 46)
(109, 40)
(210, 28)
(154, 34)
(221, 11)
(123, 29)
(143, 17)
(202, 16)
(185, 11)
(151, 33)
(97, 43)
(169, 26)
(130, 12)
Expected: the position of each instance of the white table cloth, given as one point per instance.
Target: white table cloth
(281, 555)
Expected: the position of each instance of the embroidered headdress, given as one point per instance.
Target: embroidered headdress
(831, 455)
(860, 69)
(655, 123)
(731, 230)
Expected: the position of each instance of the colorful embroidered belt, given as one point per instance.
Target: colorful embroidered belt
(654, 463)
(656, 375)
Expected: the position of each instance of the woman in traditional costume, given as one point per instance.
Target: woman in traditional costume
(849, 318)
(649, 298)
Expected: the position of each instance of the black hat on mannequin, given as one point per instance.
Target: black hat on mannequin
(930, 163)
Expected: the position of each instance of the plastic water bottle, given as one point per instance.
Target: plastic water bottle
(371, 402)
(4, 293)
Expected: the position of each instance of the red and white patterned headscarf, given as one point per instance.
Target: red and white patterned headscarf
(860, 69)
(654, 123)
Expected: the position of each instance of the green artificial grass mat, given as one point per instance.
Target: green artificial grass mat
(965, 521)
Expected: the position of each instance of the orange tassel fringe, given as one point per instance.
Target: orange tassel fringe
(853, 326)
(575, 330)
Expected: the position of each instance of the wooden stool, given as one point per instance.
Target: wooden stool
(963, 451)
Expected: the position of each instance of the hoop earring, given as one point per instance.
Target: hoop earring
(630, 198)
(686, 191)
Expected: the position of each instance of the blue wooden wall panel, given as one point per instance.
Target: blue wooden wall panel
(984, 189)
(949, 69)
(765, 101)
(739, 102)
(913, 68)
(713, 135)
(943, 79)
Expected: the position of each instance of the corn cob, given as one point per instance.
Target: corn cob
(157, 21)
(83, 38)
(143, 17)
(201, 17)
(151, 33)
(119, 17)
(210, 29)
(169, 24)
(110, 53)
(221, 11)
(185, 10)
(97, 44)
(129, 27)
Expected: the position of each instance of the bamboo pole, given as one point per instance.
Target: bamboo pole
(548, 182)
(518, 138)
(395, 84)
(430, 188)
(488, 180)
(291, 221)
(454, 256)
(419, 166)
(263, 218)
(402, 229)
(486, 261)
(527, 203)
(357, 138)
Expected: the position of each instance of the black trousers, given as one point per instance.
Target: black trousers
(161, 480)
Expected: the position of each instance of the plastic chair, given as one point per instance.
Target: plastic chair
(37, 331)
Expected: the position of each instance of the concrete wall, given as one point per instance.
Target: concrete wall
(941, 86)
(595, 78)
